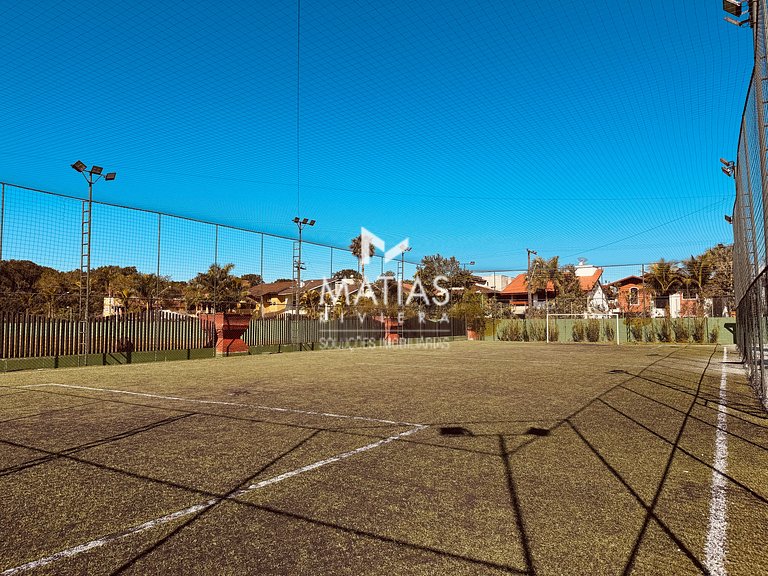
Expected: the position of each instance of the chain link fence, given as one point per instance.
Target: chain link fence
(750, 171)
(136, 285)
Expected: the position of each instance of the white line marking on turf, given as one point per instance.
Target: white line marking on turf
(222, 402)
(75, 550)
(715, 548)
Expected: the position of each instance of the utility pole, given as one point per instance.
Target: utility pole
(528, 280)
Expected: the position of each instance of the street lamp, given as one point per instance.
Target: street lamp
(298, 264)
(91, 176)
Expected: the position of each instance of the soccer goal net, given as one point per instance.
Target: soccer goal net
(583, 328)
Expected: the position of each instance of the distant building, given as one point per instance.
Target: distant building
(589, 282)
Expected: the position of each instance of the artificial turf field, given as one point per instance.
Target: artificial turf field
(575, 459)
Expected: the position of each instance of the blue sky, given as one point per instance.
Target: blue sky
(476, 128)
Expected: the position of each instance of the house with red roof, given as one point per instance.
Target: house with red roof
(631, 295)
(516, 292)
(589, 281)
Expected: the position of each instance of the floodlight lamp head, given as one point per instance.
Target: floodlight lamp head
(305, 221)
(728, 219)
(728, 171)
(96, 170)
(110, 176)
(311, 222)
(733, 7)
(472, 263)
(79, 166)
(296, 220)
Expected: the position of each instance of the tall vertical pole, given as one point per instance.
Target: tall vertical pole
(157, 287)
(298, 276)
(2, 219)
(215, 265)
(528, 281)
(85, 273)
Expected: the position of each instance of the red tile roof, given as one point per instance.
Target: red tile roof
(588, 282)
(520, 286)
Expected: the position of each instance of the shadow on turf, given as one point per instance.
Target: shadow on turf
(650, 514)
(503, 452)
(338, 527)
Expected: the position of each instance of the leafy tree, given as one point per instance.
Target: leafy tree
(473, 307)
(570, 298)
(720, 258)
(434, 266)
(221, 290)
(148, 288)
(347, 273)
(17, 284)
(103, 278)
(252, 279)
(49, 288)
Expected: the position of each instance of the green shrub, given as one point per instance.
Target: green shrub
(536, 330)
(578, 331)
(650, 333)
(699, 330)
(593, 330)
(609, 331)
(554, 331)
(511, 330)
(665, 333)
(681, 330)
(636, 329)
(713, 334)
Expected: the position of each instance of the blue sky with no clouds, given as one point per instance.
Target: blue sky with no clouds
(475, 128)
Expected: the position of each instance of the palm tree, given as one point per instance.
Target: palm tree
(662, 277)
(357, 249)
(220, 287)
(696, 273)
(310, 301)
(546, 273)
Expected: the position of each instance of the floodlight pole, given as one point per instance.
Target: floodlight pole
(92, 175)
(402, 263)
(300, 224)
(528, 280)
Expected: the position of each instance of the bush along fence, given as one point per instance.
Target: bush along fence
(630, 330)
(31, 341)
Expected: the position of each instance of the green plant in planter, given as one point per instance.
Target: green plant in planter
(472, 307)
